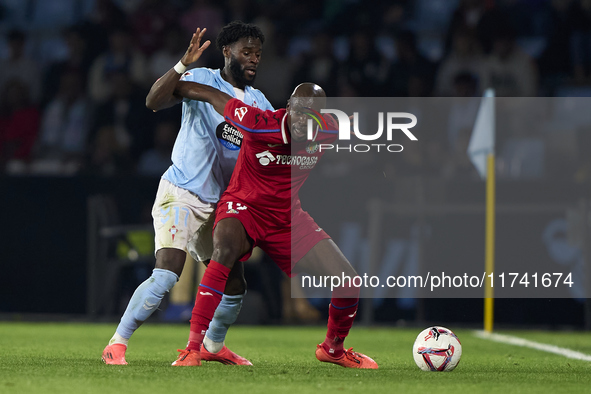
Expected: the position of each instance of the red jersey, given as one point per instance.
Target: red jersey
(271, 169)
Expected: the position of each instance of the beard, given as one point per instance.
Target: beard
(238, 73)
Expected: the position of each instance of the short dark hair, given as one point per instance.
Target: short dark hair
(236, 30)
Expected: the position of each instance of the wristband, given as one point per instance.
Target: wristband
(180, 68)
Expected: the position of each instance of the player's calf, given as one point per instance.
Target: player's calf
(236, 283)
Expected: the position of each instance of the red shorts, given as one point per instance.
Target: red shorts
(286, 243)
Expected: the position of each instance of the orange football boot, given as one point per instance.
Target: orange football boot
(188, 358)
(115, 354)
(224, 356)
(349, 359)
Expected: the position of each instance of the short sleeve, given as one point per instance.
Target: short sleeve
(200, 75)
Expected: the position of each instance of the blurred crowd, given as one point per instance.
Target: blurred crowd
(74, 73)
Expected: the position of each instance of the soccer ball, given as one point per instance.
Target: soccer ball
(437, 349)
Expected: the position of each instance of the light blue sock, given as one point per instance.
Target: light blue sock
(145, 300)
(225, 315)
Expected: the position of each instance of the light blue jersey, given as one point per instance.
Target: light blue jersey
(201, 162)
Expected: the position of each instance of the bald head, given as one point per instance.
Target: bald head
(308, 89)
(309, 95)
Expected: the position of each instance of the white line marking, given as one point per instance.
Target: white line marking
(534, 345)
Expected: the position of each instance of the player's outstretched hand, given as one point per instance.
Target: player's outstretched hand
(194, 51)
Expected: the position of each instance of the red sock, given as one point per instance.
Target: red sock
(209, 296)
(341, 314)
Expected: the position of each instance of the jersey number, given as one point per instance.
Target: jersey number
(239, 207)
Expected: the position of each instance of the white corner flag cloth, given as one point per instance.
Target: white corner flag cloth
(482, 141)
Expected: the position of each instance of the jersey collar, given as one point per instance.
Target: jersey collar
(284, 131)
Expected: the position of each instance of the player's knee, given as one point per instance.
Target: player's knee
(229, 242)
(226, 254)
(171, 259)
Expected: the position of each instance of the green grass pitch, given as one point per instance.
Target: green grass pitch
(65, 358)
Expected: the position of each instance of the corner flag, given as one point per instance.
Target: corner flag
(482, 141)
(482, 154)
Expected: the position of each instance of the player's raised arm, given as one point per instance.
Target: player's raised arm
(162, 94)
(199, 92)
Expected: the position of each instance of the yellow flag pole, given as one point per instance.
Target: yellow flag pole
(490, 243)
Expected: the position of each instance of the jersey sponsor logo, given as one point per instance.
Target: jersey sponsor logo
(229, 136)
(240, 112)
(304, 162)
(265, 158)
